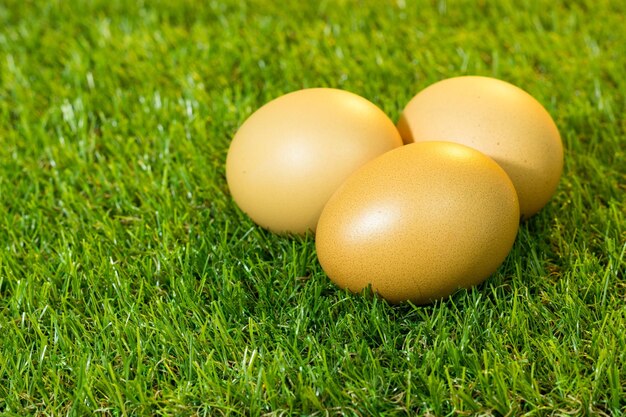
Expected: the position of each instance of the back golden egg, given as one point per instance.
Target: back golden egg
(498, 119)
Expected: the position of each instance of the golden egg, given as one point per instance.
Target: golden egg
(500, 120)
(419, 222)
(290, 155)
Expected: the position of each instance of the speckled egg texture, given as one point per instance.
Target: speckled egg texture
(419, 222)
(500, 120)
(290, 155)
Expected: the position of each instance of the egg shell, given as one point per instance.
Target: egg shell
(419, 222)
(290, 155)
(500, 120)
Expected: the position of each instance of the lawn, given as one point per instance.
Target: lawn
(131, 284)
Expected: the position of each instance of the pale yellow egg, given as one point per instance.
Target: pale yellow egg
(290, 155)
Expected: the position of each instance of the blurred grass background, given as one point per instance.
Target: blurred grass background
(130, 284)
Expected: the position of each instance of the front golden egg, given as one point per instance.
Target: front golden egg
(419, 222)
(289, 156)
(500, 120)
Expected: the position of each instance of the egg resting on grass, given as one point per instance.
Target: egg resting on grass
(418, 223)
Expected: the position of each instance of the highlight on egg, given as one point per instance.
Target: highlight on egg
(499, 119)
(290, 155)
(418, 223)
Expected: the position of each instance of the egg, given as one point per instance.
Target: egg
(500, 120)
(289, 156)
(419, 222)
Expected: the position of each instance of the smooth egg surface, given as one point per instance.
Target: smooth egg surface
(289, 156)
(419, 222)
(500, 120)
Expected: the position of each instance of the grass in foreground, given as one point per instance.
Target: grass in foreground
(131, 284)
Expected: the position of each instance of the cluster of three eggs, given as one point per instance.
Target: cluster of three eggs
(416, 210)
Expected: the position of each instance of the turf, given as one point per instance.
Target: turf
(130, 283)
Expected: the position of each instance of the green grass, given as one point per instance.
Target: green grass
(130, 283)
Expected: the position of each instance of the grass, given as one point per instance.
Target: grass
(130, 283)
